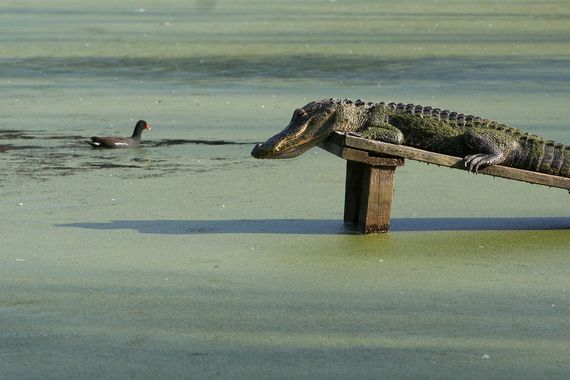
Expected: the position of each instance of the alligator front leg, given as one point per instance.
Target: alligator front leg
(495, 147)
(384, 132)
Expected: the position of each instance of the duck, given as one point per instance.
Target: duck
(121, 142)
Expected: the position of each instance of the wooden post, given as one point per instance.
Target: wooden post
(368, 196)
(370, 171)
(353, 191)
(369, 187)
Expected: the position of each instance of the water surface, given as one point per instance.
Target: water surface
(188, 258)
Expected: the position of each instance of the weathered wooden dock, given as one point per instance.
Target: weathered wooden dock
(370, 173)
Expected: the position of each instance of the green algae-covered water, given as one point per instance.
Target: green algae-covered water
(189, 259)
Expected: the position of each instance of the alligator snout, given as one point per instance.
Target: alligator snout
(258, 151)
(308, 127)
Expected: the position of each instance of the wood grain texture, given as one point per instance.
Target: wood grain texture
(368, 196)
(376, 199)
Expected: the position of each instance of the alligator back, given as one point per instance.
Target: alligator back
(531, 152)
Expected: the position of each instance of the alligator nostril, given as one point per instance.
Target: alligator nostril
(256, 151)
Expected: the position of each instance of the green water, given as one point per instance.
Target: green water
(185, 260)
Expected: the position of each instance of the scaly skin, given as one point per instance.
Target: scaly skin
(480, 141)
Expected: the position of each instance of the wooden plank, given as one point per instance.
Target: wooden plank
(358, 155)
(368, 188)
(382, 148)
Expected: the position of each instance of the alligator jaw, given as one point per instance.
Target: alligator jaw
(267, 150)
(293, 141)
(262, 150)
(309, 126)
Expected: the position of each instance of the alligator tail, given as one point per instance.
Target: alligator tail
(542, 156)
(556, 159)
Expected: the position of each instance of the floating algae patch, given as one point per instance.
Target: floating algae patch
(7, 147)
(13, 134)
(201, 260)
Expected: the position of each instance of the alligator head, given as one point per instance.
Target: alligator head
(309, 126)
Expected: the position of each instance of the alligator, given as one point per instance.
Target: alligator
(480, 141)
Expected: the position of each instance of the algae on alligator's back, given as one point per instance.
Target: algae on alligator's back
(481, 141)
